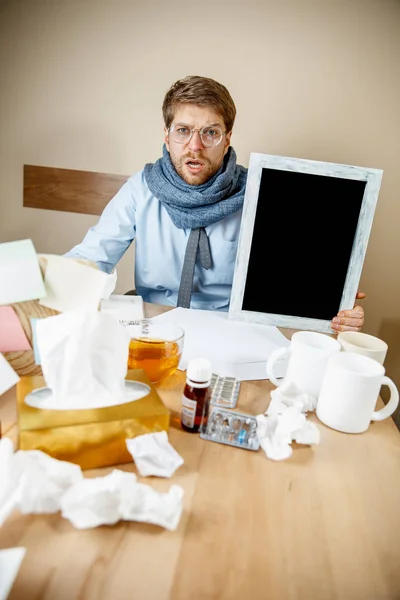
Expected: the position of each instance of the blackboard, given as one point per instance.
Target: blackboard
(303, 239)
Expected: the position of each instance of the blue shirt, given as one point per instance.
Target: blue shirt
(135, 214)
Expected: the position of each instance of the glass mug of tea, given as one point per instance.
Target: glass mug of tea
(155, 347)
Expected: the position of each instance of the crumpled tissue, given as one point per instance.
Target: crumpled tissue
(84, 357)
(154, 455)
(285, 421)
(33, 482)
(106, 500)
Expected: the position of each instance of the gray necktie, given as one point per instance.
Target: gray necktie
(197, 239)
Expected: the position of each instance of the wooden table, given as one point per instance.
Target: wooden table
(321, 525)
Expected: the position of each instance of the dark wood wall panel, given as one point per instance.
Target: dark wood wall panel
(69, 190)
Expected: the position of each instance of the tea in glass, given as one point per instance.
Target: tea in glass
(156, 348)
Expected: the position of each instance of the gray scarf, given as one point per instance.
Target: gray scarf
(196, 206)
(193, 206)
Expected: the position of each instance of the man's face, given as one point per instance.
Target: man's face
(193, 161)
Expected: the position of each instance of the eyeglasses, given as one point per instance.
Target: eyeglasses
(210, 135)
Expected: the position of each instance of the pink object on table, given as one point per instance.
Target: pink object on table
(12, 335)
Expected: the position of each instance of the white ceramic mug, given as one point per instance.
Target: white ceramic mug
(307, 357)
(363, 343)
(350, 390)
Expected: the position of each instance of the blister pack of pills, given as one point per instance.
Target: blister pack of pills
(224, 391)
(231, 428)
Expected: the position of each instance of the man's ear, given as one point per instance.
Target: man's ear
(166, 138)
(227, 142)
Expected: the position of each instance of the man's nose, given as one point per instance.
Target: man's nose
(195, 142)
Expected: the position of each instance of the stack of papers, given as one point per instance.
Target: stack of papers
(235, 348)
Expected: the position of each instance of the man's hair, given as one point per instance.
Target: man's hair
(201, 91)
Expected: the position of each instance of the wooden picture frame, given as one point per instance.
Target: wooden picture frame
(303, 239)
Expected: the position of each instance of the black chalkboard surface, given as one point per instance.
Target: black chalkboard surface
(303, 239)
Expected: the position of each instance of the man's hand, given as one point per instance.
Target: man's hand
(350, 320)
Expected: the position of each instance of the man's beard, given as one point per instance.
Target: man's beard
(209, 169)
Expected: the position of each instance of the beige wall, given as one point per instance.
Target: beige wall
(82, 82)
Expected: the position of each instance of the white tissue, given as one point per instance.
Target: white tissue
(32, 481)
(84, 357)
(289, 394)
(111, 282)
(285, 422)
(154, 455)
(106, 500)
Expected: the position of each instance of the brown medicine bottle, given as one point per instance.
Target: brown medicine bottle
(196, 395)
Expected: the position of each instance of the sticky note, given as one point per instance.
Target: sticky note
(20, 275)
(71, 285)
(8, 377)
(12, 335)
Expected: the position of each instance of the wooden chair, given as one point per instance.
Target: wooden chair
(69, 190)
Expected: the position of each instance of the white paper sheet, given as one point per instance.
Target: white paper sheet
(10, 562)
(20, 275)
(72, 285)
(8, 377)
(235, 348)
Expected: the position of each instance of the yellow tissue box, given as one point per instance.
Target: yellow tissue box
(92, 437)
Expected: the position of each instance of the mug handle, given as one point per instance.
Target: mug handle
(388, 410)
(273, 357)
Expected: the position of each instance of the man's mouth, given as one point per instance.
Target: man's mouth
(194, 164)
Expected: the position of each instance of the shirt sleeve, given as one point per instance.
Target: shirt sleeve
(107, 241)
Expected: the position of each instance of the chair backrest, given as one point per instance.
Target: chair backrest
(69, 190)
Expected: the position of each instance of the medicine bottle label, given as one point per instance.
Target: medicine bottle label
(188, 411)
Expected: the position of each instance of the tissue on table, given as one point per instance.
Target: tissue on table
(33, 482)
(154, 455)
(91, 404)
(289, 394)
(106, 500)
(285, 421)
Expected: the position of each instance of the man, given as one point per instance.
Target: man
(184, 211)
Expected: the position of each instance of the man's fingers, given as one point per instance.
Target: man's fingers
(350, 325)
(356, 312)
(349, 320)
